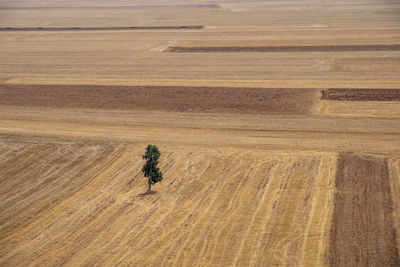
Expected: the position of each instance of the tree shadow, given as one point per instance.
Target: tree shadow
(152, 192)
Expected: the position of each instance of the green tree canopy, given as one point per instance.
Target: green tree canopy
(150, 169)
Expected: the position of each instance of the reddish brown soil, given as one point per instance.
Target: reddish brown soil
(312, 48)
(181, 99)
(362, 94)
(362, 227)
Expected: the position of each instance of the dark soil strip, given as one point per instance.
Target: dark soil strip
(362, 231)
(163, 98)
(201, 6)
(50, 29)
(361, 94)
(314, 48)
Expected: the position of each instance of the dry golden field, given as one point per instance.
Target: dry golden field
(278, 124)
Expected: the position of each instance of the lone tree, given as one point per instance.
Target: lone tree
(150, 169)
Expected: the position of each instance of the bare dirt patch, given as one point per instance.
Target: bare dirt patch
(163, 98)
(311, 48)
(51, 29)
(108, 7)
(361, 94)
(362, 228)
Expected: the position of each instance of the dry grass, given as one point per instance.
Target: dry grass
(284, 83)
(214, 203)
(359, 108)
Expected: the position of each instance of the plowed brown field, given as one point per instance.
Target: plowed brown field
(164, 98)
(363, 204)
(285, 155)
(362, 94)
(321, 48)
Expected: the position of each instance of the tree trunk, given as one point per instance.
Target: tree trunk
(148, 188)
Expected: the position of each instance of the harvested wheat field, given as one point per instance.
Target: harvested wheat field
(278, 124)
